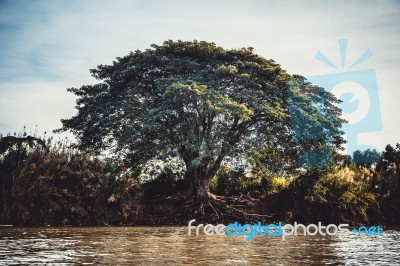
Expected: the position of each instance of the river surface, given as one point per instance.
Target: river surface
(172, 246)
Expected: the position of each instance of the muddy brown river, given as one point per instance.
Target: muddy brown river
(172, 246)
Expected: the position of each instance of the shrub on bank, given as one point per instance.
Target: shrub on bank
(355, 195)
(62, 186)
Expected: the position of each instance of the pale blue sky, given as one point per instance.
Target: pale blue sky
(48, 46)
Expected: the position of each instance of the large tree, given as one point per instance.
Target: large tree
(202, 103)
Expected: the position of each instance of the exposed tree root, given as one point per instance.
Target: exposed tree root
(223, 209)
(179, 209)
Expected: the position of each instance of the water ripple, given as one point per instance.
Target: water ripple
(172, 246)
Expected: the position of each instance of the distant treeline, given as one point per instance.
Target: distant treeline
(46, 182)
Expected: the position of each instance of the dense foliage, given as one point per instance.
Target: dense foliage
(47, 183)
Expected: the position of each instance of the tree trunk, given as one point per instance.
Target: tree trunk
(197, 182)
(201, 187)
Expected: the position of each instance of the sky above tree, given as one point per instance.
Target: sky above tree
(48, 46)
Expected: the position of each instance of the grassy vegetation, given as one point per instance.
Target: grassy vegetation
(43, 182)
(54, 184)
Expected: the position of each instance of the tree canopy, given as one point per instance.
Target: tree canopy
(366, 157)
(204, 104)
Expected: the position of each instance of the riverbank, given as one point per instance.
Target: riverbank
(177, 210)
(64, 187)
(267, 209)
